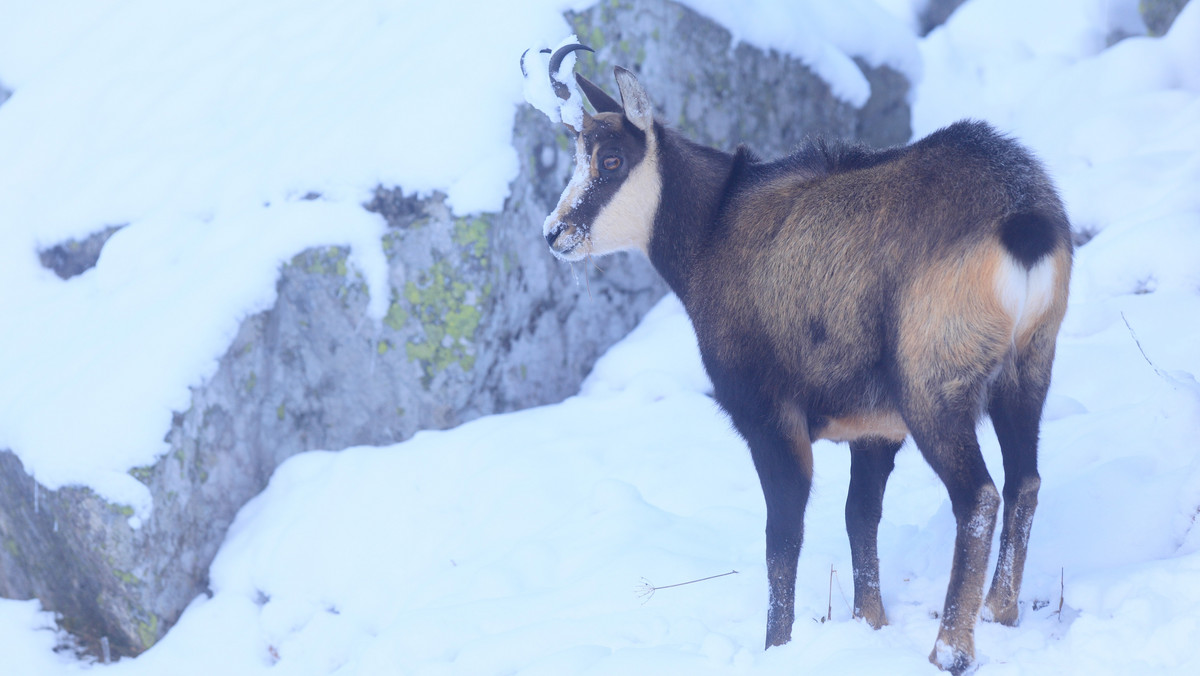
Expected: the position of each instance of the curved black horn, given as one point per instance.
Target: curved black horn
(556, 59)
(524, 72)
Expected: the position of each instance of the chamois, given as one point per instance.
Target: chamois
(856, 295)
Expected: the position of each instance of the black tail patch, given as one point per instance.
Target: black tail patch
(1029, 236)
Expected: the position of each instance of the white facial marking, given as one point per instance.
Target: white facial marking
(626, 221)
(576, 187)
(566, 245)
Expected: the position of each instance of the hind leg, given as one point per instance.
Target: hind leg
(944, 431)
(871, 462)
(1015, 406)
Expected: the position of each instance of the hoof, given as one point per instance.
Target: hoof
(777, 635)
(778, 639)
(1006, 614)
(874, 616)
(951, 659)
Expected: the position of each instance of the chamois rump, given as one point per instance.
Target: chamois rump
(856, 295)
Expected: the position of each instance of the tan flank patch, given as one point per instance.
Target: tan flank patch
(966, 312)
(953, 322)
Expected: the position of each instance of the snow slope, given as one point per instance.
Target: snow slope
(521, 543)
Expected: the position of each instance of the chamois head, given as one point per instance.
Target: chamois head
(610, 202)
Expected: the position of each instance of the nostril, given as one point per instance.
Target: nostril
(553, 234)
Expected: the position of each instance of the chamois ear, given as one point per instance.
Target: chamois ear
(603, 103)
(634, 100)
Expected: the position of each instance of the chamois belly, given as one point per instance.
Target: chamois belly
(877, 424)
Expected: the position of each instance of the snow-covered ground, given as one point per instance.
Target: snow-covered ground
(521, 543)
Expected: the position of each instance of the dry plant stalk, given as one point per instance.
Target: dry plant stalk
(646, 589)
(1161, 374)
(829, 607)
(1062, 588)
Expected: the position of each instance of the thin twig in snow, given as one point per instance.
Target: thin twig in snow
(1137, 342)
(1062, 588)
(829, 607)
(646, 589)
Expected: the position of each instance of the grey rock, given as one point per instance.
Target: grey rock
(723, 94)
(482, 319)
(1160, 14)
(75, 257)
(936, 13)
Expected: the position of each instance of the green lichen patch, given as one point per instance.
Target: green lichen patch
(251, 382)
(383, 347)
(126, 577)
(124, 510)
(564, 143)
(328, 261)
(591, 36)
(449, 312)
(396, 315)
(391, 242)
(280, 412)
(142, 474)
(10, 545)
(148, 631)
(473, 234)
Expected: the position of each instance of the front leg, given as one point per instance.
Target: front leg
(871, 462)
(785, 472)
(782, 456)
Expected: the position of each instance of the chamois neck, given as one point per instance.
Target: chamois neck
(694, 183)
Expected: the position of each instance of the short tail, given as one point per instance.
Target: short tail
(1030, 236)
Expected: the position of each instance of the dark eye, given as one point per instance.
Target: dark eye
(612, 163)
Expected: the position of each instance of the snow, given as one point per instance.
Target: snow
(539, 89)
(203, 126)
(517, 543)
